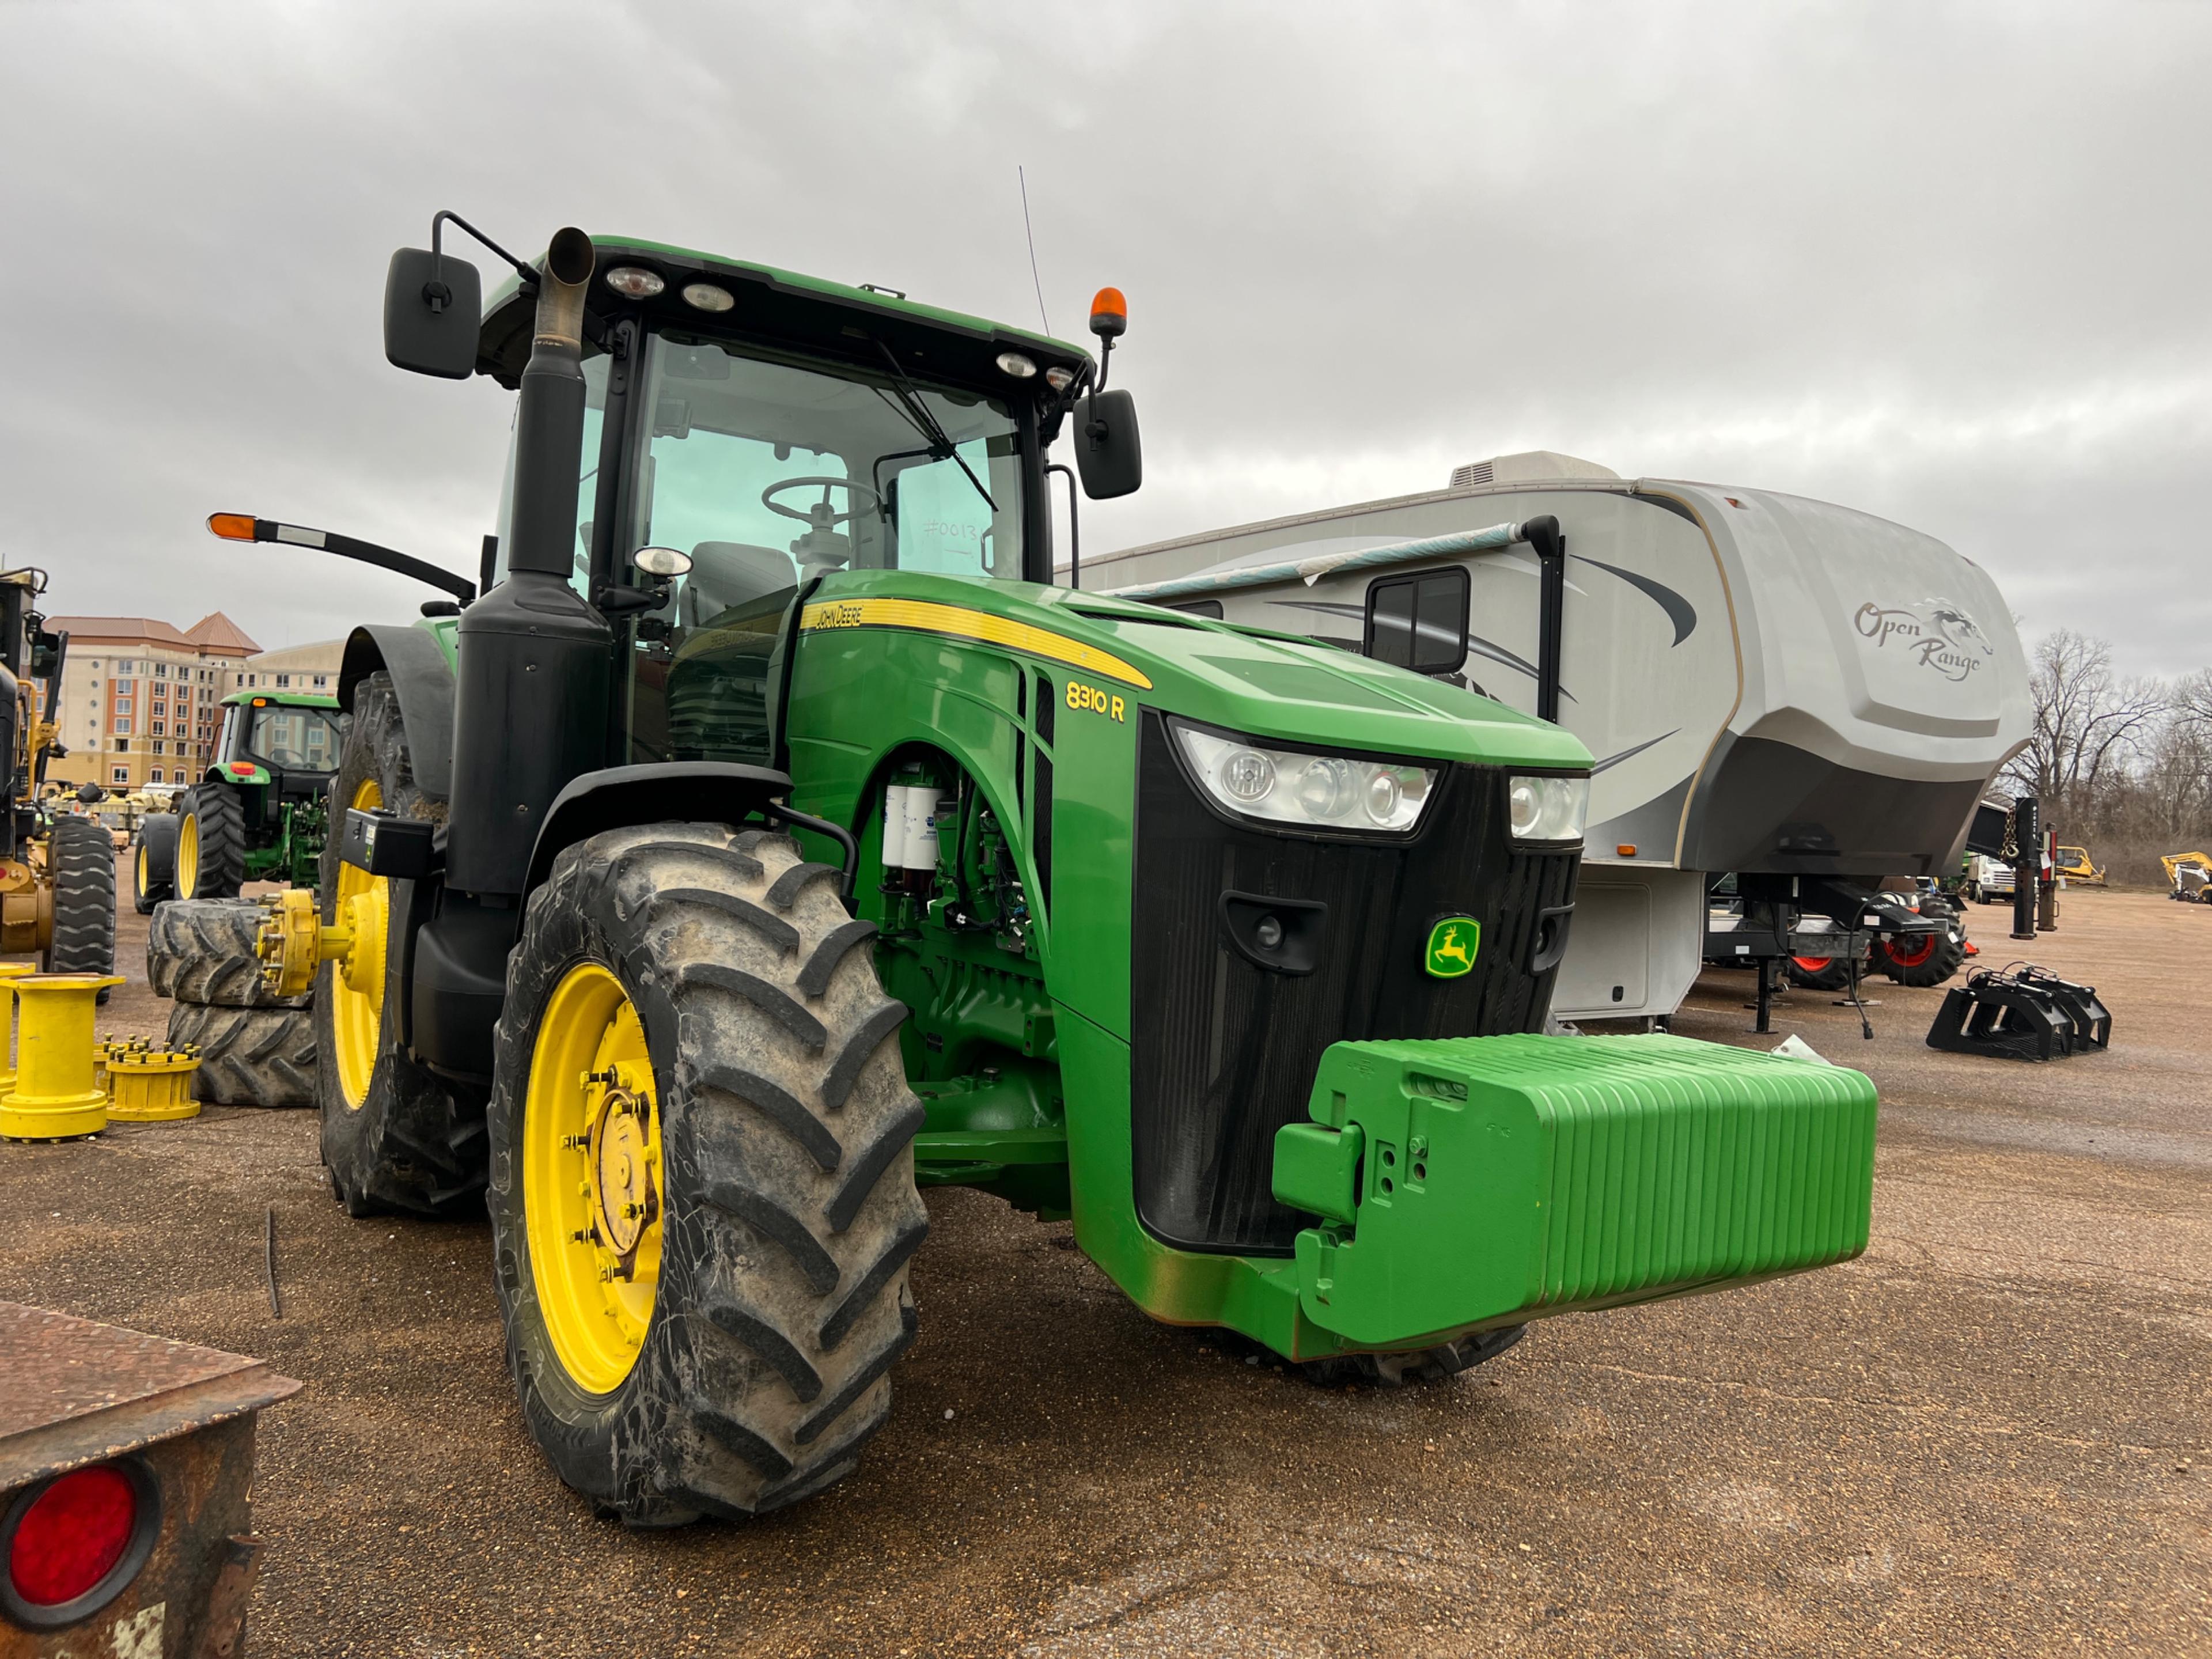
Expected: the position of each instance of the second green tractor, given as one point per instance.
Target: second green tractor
(258, 813)
(763, 839)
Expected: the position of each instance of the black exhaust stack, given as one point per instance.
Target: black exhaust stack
(536, 660)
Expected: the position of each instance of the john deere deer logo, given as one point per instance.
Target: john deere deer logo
(1453, 945)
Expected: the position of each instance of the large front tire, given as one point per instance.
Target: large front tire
(82, 857)
(396, 1136)
(210, 858)
(724, 1347)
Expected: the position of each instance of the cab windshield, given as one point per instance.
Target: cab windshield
(767, 473)
(300, 739)
(762, 469)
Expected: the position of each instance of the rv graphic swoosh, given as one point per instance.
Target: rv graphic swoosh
(1626, 753)
(1680, 611)
(1476, 645)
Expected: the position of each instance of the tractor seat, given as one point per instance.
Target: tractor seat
(727, 574)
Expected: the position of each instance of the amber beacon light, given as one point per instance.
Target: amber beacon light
(1109, 314)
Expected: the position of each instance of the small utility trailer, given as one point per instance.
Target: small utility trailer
(126, 1467)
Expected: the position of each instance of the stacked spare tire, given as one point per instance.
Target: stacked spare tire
(256, 1048)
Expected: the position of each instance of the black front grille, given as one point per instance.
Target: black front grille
(1225, 1050)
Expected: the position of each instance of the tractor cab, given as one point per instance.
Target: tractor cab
(286, 742)
(758, 432)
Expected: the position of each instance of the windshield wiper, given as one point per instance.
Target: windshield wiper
(909, 404)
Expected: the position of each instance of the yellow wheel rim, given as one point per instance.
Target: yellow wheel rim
(188, 855)
(139, 873)
(591, 1182)
(356, 997)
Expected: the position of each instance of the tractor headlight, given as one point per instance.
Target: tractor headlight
(1548, 809)
(1314, 791)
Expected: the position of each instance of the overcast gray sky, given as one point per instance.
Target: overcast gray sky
(1945, 264)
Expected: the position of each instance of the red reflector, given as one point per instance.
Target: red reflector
(72, 1537)
(244, 769)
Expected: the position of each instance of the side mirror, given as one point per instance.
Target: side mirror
(433, 305)
(1107, 452)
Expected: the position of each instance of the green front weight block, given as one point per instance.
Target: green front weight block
(1485, 1181)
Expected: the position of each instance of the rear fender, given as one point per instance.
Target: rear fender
(422, 678)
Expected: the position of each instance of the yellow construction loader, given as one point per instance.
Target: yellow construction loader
(2190, 876)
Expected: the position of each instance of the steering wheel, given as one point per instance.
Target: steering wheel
(818, 517)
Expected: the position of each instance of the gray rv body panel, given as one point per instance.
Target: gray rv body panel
(1769, 683)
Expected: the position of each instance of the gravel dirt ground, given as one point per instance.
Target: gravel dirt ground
(1991, 1435)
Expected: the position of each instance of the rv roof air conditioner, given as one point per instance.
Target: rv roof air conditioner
(1527, 467)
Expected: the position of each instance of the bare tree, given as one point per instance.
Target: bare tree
(2088, 724)
(2191, 699)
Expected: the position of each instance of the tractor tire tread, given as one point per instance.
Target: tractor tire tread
(814, 977)
(262, 1057)
(415, 1143)
(736, 1405)
(82, 858)
(780, 1106)
(155, 840)
(778, 1227)
(221, 825)
(797, 879)
(202, 950)
(765, 994)
(770, 926)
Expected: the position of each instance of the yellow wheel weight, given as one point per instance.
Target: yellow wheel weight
(54, 1097)
(593, 1190)
(10, 971)
(151, 1085)
(356, 992)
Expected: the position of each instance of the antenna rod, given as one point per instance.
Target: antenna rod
(1022, 180)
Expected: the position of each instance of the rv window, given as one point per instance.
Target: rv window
(1419, 621)
(1201, 607)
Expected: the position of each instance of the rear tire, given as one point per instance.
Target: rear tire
(211, 843)
(82, 858)
(1927, 960)
(202, 950)
(154, 862)
(790, 1212)
(396, 1136)
(248, 1057)
(1817, 973)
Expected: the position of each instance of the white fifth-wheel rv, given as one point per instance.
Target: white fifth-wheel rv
(1810, 696)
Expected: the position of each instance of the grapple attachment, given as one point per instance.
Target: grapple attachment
(1479, 1180)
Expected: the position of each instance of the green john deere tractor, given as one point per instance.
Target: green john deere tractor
(258, 812)
(770, 839)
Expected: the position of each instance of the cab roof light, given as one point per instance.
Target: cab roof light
(635, 281)
(1109, 314)
(1013, 363)
(705, 296)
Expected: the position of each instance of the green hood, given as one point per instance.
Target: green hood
(1269, 685)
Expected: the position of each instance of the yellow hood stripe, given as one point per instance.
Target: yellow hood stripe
(957, 622)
